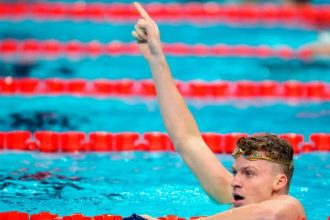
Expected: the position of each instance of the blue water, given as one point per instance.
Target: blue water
(156, 184)
(183, 68)
(114, 115)
(208, 34)
(116, 183)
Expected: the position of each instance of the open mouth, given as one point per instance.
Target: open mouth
(238, 200)
(238, 197)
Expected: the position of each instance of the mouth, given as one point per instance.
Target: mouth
(238, 200)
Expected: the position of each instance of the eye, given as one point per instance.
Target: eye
(250, 173)
(234, 172)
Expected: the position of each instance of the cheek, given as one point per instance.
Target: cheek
(260, 189)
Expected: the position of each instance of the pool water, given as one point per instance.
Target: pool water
(115, 115)
(183, 68)
(133, 182)
(208, 34)
(153, 183)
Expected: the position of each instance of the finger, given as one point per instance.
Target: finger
(141, 11)
(141, 32)
(138, 38)
(142, 23)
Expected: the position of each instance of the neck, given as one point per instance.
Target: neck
(279, 193)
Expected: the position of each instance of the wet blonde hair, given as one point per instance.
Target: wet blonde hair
(277, 149)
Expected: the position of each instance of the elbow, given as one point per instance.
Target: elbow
(221, 194)
(222, 198)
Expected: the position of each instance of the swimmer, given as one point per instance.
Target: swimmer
(258, 186)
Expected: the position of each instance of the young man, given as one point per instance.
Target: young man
(258, 188)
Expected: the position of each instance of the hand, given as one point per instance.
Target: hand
(146, 33)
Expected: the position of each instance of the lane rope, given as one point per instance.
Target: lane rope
(100, 141)
(50, 49)
(202, 90)
(308, 15)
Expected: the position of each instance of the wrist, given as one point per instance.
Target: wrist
(157, 59)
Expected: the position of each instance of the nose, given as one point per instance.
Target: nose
(236, 182)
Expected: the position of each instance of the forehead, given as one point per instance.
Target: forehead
(242, 162)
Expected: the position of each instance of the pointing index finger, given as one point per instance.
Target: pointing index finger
(141, 11)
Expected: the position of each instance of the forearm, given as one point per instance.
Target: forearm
(250, 212)
(178, 120)
(282, 208)
(184, 133)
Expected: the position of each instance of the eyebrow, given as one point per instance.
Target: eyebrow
(245, 168)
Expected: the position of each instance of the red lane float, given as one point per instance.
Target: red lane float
(48, 141)
(321, 141)
(50, 49)
(59, 86)
(147, 88)
(214, 142)
(246, 89)
(27, 85)
(293, 89)
(127, 141)
(2, 140)
(8, 85)
(108, 217)
(197, 89)
(72, 141)
(156, 141)
(14, 215)
(54, 86)
(307, 15)
(106, 87)
(77, 141)
(269, 88)
(17, 140)
(101, 141)
(316, 89)
(216, 90)
(220, 89)
(77, 86)
(43, 216)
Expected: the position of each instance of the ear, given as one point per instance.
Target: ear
(280, 182)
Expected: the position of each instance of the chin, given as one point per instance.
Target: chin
(236, 205)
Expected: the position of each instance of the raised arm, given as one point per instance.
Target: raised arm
(178, 120)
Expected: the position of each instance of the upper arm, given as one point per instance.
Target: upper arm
(212, 175)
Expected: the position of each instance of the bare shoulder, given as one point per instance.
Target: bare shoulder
(290, 200)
